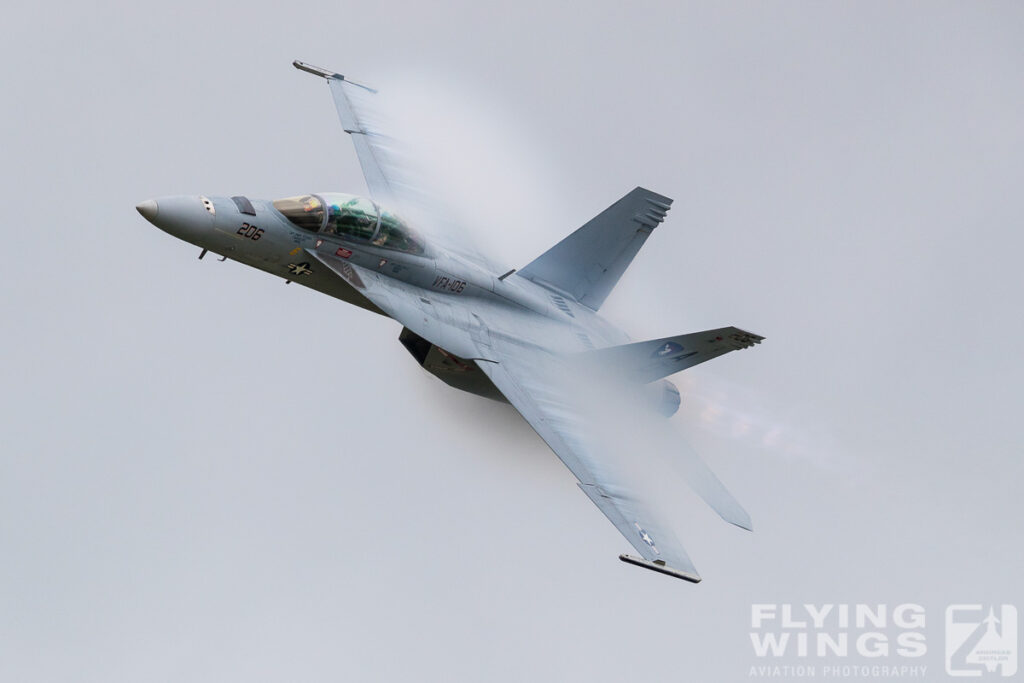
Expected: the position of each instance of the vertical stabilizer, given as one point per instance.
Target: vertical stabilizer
(587, 264)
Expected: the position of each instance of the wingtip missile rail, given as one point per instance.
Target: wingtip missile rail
(328, 74)
(660, 567)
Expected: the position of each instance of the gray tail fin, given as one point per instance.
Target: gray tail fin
(587, 264)
(648, 361)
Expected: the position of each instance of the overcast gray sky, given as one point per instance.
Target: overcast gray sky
(207, 475)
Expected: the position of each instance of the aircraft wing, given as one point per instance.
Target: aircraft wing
(538, 384)
(352, 100)
(576, 440)
(393, 174)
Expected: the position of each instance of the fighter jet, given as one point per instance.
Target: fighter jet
(531, 337)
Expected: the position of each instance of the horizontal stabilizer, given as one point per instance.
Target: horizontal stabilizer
(648, 361)
(710, 488)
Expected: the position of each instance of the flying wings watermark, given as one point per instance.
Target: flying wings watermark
(879, 641)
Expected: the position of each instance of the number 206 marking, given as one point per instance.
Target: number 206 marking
(250, 231)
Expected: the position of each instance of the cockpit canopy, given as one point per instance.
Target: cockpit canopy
(351, 217)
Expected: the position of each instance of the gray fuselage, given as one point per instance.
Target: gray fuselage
(255, 233)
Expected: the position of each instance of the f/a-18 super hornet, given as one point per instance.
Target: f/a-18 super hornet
(531, 337)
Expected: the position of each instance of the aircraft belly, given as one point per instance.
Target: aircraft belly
(456, 372)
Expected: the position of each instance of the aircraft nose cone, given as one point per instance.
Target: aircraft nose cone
(148, 209)
(184, 216)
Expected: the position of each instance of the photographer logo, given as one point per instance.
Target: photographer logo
(981, 640)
